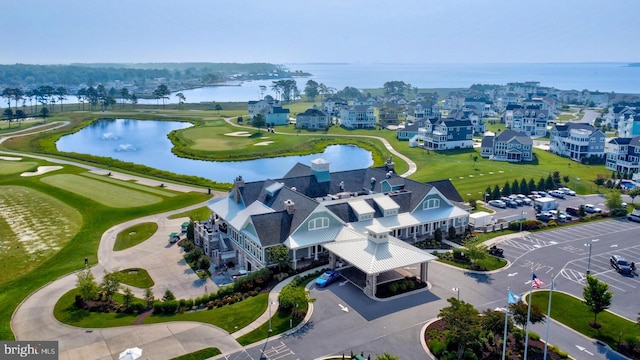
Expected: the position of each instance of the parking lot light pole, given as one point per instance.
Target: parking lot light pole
(589, 262)
(270, 303)
(457, 289)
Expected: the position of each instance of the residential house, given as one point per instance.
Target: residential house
(530, 120)
(623, 155)
(358, 117)
(509, 145)
(261, 106)
(444, 134)
(390, 113)
(576, 141)
(277, 116)
(312, 119)
(619, 113)
(332, 106)
(474, 115)
(629, 125)
(408, 131)
(318, 215)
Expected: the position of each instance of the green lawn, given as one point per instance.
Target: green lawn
(101, 191)
(53, 209)
(66, 312)
(134, 235)
(15, 167)
(229, 317)
(200, 354)
(576, 315)
(136, 277)
(199, 214)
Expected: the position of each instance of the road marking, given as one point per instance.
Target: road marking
(343, 283)
(512, 274)
(614, 245)
(343, 308)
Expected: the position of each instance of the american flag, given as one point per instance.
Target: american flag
(536, 283)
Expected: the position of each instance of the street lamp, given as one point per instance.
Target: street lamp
(270, 303)
(521, 221)
(457, 289)
(589, 262)
(485, 197)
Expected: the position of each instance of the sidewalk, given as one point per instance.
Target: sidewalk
(273, 300)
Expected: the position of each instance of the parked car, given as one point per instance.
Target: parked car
(543, 194)
(572, 210)
(634, 216)
(557, 194)
(567, 191)
(560, 216)
(498, 203)
(511, 203)
(545, 216)
(592, 209)
(622, 265)
(327, 278)
(524, 199)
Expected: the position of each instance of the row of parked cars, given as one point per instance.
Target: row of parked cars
(514, 201)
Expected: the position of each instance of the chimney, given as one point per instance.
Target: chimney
(237, 185)
(290, 206)
(389, 164)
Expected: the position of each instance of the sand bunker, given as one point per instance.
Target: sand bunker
(238, 133)
(264, 143)
(10, 158)
(41, 170)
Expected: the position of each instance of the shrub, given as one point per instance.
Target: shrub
(188, 304)
(157, 307)
(436, 347)
(170, 307)
(393, 288)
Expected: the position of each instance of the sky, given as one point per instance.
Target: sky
(310, 31)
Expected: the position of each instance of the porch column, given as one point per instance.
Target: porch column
(423, 271)
(370, 286)
(315, 249)
(295, 260)
(332, 260)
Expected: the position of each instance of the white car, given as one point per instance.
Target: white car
(498, 203)
(592, 209)
(557, 194)
(567, 191)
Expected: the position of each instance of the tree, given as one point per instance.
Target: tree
(475, 252)
(168, 296)
(613, 199)
(124, 95)
(61, 93)
(181, 99)
(515, 187)
(110, 283)
(633, 193)
(134, 100)
(437, 235)
(204, 262)
(463, 323)
(218, 108)
(597, 297)
(311, 90)
(148, 297)
(452, 232)
(519, 311)
(492, 321)
(396, 87)
(258, 121)
(532, 185)
(162, 92)
(495, 194)
(279, 254)
(127, 297)
(506, 190)
(599, 182)
(386, 356)
(8, 113)
(475, 161)
(542, 184)
(44, 112)
(549, 184)
(87, 285)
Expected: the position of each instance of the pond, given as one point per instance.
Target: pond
(145, 142)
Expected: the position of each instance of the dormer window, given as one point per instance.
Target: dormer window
(318, 223)
(431, 204)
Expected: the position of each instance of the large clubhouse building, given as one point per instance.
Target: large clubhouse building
(367, 219)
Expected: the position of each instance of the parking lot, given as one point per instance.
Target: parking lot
(568, 252)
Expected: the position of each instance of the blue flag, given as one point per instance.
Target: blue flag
(513, 298)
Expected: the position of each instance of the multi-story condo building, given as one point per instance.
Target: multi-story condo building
(444, 134)
(577, 141)
(623, 155)
(530, 120)
(358, 117)
(313, 119)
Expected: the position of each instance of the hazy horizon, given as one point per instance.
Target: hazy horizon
(329, 31)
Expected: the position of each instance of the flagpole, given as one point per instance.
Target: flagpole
(526, 327)
(546, 338)
(506, 318)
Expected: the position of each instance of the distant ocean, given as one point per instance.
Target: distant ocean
(605, 77)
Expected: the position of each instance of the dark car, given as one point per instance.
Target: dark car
(327, 278)
(622, 265)
(572, 210)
